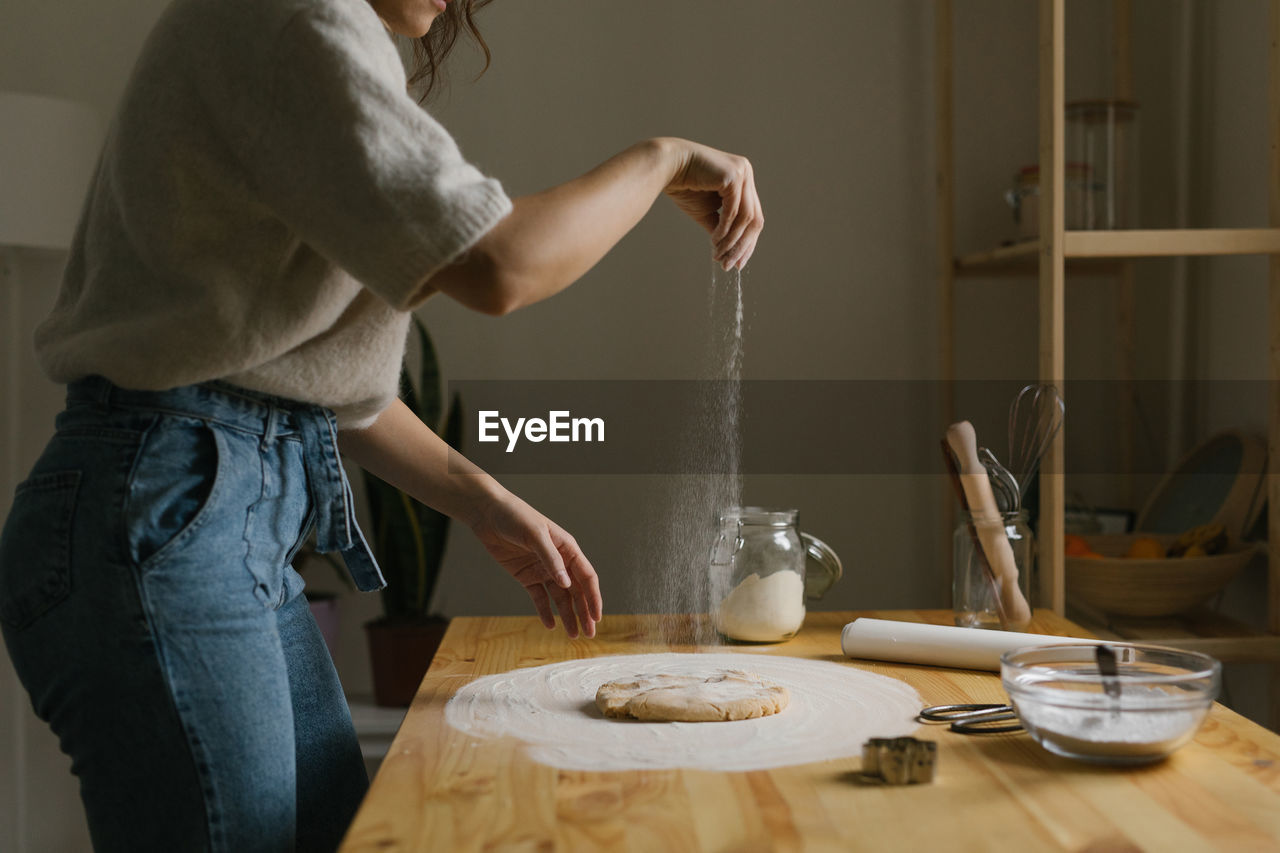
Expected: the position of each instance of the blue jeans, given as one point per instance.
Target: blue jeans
(150, 609)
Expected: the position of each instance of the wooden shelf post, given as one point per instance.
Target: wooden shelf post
(1052, 352)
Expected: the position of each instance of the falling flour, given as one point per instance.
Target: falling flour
(834, 708)
(710, 456)
(763, 610)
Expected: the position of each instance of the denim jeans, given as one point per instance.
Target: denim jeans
(150, 609)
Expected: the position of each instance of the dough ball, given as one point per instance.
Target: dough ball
(727, 694)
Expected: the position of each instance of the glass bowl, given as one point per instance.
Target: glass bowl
(1159, 698)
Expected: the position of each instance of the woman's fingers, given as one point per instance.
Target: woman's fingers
(564, 601)
(542, 604)
(741, 218)
(751, 226)
(547, 552)
(730, 204)
(586, 582)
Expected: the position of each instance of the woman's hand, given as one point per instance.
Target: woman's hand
(545, 560)
(719, 191)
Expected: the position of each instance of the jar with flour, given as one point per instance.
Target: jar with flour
(762, 569)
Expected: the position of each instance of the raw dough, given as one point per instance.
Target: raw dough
(727, 694)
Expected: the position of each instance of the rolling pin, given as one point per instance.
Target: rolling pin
(937, 645)
(990, 524)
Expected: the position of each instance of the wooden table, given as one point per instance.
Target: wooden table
(442, 790)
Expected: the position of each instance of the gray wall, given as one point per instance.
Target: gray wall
(833, 107)
(832, 100)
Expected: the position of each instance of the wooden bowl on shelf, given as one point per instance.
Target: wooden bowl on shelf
(1126, 586)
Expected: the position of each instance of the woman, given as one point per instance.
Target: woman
(269, 206)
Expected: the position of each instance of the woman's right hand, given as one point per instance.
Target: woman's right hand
(718, 190)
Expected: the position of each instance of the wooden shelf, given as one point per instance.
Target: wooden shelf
(1060, 252)
(1020, 259)
(1171, 243)
(1097, 252)
(1202, 630)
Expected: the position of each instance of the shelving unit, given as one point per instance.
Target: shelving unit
(1058, 252)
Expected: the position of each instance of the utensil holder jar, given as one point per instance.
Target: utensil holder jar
(974, 591)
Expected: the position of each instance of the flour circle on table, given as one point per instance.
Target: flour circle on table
(834, 709)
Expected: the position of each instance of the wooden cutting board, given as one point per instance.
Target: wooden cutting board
(439, 789)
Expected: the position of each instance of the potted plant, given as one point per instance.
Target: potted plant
(408, 539)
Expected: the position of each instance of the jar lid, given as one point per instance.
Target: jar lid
(1095, 109)
(761, 515)
(1032, 172)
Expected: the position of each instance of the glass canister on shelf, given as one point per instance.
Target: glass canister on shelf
(1102, 134)
(975, 594)
(762, 569)
(1024, 198)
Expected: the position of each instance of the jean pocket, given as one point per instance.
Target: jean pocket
(171, 486)
(35, 549)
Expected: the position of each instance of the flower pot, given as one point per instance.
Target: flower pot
(400, 654)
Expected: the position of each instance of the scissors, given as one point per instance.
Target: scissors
(973, 718)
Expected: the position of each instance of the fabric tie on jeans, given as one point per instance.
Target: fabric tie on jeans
(336, 527)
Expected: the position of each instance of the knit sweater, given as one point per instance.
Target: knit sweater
(267, 208)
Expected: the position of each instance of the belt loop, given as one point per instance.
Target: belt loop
(104, 387)
(269, 429)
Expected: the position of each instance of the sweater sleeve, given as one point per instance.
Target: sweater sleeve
(348, 160)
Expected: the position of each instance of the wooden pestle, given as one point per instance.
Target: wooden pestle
(989, 523)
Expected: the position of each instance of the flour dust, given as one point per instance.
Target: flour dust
(679, 582)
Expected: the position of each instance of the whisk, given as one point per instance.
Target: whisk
(1035, 416)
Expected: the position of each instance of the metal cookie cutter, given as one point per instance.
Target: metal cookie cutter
(899, 760)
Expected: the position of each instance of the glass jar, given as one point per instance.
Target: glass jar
(762, 569)
(974, 593)
(1024, 199)
(1103, 135)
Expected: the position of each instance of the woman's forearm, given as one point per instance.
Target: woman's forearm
(400, 449)
(551, 238)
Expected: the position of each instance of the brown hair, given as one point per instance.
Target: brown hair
(431, 50)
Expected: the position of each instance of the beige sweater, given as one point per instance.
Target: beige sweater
(268, 204)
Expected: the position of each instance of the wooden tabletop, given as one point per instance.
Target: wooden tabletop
(440, 789)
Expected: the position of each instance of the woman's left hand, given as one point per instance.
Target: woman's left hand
(545, 560)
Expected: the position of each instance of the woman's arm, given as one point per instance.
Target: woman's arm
(400, 449)
(551, 238)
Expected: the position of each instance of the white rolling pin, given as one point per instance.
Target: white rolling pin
(937, 645)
